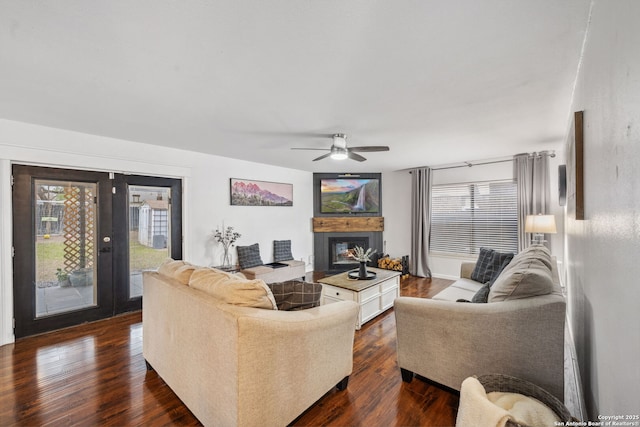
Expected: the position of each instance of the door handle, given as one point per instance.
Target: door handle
(105, 249)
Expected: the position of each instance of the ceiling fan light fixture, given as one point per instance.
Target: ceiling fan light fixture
(338, 153)
(340, 140)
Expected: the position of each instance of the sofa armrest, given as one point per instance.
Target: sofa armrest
(466, 268)
(448, 341)
(287, 360)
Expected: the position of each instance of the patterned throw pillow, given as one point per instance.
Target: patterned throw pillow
(295, 295)
(482, 295)
(282, 250)
(249, 256)
(490, 264)
(499, 261)
(479, 273)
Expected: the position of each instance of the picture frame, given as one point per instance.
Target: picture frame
(575, 168)
(248, 192)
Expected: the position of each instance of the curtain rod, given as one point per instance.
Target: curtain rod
(481, 163)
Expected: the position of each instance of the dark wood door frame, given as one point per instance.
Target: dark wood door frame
(113, 256)
(121, 232)
(24, 298)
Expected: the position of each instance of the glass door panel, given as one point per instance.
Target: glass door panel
(65, 256)
(62, 264)
(149, 231)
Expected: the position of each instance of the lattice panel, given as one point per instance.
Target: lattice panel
(79, 227)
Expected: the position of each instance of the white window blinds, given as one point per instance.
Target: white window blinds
(465, 217)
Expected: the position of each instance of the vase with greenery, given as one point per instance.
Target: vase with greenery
(363, 257)
(226, 237)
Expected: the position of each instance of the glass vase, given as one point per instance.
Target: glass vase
(226, 257)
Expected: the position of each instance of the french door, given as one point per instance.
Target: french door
(81, 241)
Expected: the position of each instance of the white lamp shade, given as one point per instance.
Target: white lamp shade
(540, 224)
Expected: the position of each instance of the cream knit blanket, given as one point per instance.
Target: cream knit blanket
(477, 408)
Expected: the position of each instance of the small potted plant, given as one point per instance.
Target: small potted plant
(63, 278)
(81, 277)
(363, 257)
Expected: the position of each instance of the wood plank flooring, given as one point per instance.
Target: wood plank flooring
(94, 374)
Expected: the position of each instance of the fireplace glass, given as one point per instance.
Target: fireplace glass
(341, 254)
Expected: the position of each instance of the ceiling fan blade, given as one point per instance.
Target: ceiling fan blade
(324, 156)
(369, 148)
(319, 149)
(354, 156)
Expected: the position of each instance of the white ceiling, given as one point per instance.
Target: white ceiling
(438, 81)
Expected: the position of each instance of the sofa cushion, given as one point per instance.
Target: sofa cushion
(249, 256)
(461, 289)
(183, 273)
(231, 289)
(282, 250)
(169, 266)
(296, 295)
(526, 276)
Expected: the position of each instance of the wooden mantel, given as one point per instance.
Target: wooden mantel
(347, 224)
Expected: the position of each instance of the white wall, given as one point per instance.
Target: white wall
(603, 251)
(206, 193)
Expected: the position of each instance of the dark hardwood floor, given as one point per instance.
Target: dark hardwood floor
(94, 374)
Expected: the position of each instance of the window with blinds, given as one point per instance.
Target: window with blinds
(465, 217)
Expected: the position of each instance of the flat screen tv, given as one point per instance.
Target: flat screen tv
(349, 195)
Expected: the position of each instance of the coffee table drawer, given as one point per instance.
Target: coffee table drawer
(331, 292)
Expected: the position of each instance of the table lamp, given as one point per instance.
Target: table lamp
(538, 225)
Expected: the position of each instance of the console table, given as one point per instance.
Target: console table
(373, 296)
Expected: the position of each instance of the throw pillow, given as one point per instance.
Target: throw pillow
(525, 278)
(282, 250)
(249, 256)
(482, 295)
(295, 295)
(479, 273)
(231, 289)
(499, 262)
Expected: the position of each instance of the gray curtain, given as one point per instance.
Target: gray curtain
(531, 172)
(420, 221)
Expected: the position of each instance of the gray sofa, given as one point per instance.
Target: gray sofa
(234, 359)
(514, 333)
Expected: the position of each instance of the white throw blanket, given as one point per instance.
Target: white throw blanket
(477, 408)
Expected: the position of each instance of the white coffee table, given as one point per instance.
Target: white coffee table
(373, 296)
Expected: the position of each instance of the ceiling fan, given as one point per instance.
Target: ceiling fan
(340, 151)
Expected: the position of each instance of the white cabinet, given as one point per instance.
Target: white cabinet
(373, 299)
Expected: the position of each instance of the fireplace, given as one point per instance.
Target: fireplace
(341, 254)
(332, 250)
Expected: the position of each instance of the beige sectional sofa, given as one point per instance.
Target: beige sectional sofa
(518, 332)
(221, 345)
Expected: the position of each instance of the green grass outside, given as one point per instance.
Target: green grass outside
(50, 257)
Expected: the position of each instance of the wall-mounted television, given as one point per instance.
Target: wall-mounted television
(350, 195)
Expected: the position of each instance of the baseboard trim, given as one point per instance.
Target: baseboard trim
(573, 396)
